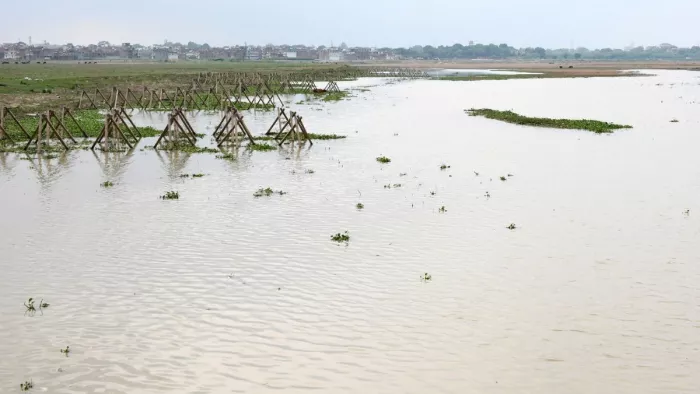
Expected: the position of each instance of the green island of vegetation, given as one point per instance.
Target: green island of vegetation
(595, 126)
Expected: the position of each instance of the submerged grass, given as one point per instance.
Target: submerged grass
(595, 126)
(341, 237)
(171, 195)
(107, 184)
(267, 192)
(91, 120)
(335, 96)
(383, 159)
(262, 147)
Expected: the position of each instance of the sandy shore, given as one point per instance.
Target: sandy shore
(562, 68)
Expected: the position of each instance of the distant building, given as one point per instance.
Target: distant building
(11, 54)
(290, 55)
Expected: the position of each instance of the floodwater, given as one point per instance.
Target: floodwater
(596, 291)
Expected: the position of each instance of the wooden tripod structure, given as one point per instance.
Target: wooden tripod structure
(231, 127)
(49, 126)
(178, 131)
(293, 128)
(118, 128)
(332, 86)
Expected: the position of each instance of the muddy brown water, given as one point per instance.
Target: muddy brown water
(597, 290)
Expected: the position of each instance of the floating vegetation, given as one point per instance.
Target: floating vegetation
(403, 174)
(426, 277)
(444, 167)
(576, 124)
(433, 193)
(226, 156)
(674, 120)
(43, 304)
(360, 205)
(395, 185)
(487, 195)
(335, 96)
(30, 305)
(383, 159)
(504, 179)
(171, 195)
(309, 171)
(262, 147)
(107, 184)
(26, 386)
(511, 226)
(686, 212)
(341, 237)
(442, 209)
(267, 192)
(51, 156)
(197, 175)
(66, 351)
(476, 173)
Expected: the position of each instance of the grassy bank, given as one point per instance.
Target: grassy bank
(595, 126)
(543, 75)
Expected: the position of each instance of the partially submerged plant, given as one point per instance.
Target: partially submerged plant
(262, 147)
(442, 209)
(511, 226)
(341, 237)
(309, 171)
(267, 192)
(433, 193)
(444, 167)
(26, 386)
(383, 159)
(426, 277)
(578, 124)
(360, 205)
(487, 195)
(107, 184)
(43, 304)
(171, 195)
(30, 305)
(66, 350)
(503, 178)
(674, 120)
(197, 175)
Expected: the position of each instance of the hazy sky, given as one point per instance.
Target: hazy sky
(548, 23)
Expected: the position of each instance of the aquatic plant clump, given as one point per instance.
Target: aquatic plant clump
(267, 192)
(171, 195)
(262, 147)
(26, 386)
(360, 205)
(444, 167)
(383, 159)
(107, 184)
(511, 226)
(341, 237)
(595, 126)
(426, 277)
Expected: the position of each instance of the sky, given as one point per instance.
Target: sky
(374, 23)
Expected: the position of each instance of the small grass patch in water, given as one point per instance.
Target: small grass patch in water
(309, 171)
(197, 175)
(395, 185)
(30, 305)
(443, 167)
(504, 179)
(511, 226)
(335, 96)
(226, 156)
(267, 192)
(360, 205)
(26, 386)
(341, 237)
(171, 195)
(107, 184)
(383, 159)
(262, 147)
(442, 209)
(66, 351)
(595, 126)
(674, 120)
(426, 277)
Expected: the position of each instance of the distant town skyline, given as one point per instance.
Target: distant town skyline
(365, 23)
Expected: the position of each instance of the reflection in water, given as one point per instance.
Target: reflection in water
(113, 163)
(51, 166)
(8, 161)
(173, 161)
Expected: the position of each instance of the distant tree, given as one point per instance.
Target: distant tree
(541, 52)
(577, 56)
(566, 55)
(192, 45)
(205, 46)
(103, 44)
(343, 46)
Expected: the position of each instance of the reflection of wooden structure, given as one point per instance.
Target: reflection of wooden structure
(118, 128)
(178, 131)
(289, 127)
(231, 127)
